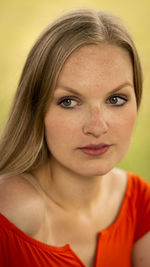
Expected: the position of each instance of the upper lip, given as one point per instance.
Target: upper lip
(96, 146)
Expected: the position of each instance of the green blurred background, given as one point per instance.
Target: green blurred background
(23, 21)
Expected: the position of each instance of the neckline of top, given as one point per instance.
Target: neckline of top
(5, 222)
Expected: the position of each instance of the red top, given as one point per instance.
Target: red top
(114, 245)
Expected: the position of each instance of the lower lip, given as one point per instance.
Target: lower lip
(95, 152)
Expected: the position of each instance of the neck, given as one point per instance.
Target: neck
(69, 190)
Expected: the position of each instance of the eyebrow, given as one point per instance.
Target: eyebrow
(73, 91)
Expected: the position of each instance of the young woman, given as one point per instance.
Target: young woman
(62, 201)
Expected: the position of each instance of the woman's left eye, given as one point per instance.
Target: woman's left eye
(117, 100)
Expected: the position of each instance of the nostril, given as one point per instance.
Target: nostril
(96, 127)
(95, 121)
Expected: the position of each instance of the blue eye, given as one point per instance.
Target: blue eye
(117, 100)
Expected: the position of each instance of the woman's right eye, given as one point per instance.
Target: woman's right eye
(67, 103)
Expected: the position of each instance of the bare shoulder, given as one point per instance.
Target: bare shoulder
(140, 254)
(21, 203)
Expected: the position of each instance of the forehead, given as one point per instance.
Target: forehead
(96, 63)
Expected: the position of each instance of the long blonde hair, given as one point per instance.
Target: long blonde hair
(23, 146)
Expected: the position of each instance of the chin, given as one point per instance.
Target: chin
(96, 172)
(99, 168)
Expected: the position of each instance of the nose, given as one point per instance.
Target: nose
(95, 123)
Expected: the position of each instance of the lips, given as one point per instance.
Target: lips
(94, 146)
(95, 150)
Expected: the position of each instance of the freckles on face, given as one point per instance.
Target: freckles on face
(94, 102)
(61, 130)
(58, 127)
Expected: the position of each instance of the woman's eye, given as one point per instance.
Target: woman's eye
(117, 100)
(67, 103)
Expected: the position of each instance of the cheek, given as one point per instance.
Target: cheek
(132, 120)
(126, 124)
(59, 129)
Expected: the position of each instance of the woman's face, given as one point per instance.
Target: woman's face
(90, 120)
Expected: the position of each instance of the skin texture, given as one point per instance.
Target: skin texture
(94, 72)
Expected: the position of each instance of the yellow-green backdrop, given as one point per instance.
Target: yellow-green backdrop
(22, 22)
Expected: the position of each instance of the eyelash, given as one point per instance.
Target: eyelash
(60, 101)
(124, 98)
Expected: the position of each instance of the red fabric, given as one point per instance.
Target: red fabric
(114, 244)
